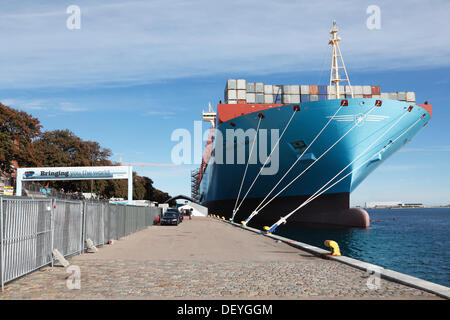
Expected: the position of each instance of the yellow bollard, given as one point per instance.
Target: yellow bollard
(223, 218)
(243, 223)
(267, 230)
(334, 247)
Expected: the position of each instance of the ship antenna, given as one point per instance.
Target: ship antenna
(334, 72)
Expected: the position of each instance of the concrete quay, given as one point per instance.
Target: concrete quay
(205, 258)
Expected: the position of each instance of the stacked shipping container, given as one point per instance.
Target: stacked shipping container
(243, 92)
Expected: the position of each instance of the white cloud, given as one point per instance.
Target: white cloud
(69, 107)
(23, 104)
(146, 41)
(159, 113)
(166, 115)
(41, 104)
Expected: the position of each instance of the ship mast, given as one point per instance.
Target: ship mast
(334, 72)
(210, 115)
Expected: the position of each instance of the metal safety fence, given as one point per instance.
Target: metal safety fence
(30, 230)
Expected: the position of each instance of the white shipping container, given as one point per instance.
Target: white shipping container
(268, 98)
(348, 90)
(331, 90)
(259, 87)
(411, 96)
(393, 95)
(276, 90)
(367, 90)
(304, 89)
(241, 94)
(295, 98)
(376, 96)
(241, 84)
(268, 89)
(401, 96)
(357, 90)
(384, 95)
(313, 97)
(250, 87)
(286, 98)
(230, 94)
(251, 97)
(231, 84)
(286, 89)
(341, 89)
(358, 95)
(295, 89)
(259, 98)
(232, 101)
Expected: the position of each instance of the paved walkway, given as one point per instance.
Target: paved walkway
(204, 259)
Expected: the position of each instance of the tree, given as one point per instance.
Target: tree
(139, 191)
(18, 130)
(152, 193)
(21, 140)
(160, 196)
(62, 148)
(6, 152)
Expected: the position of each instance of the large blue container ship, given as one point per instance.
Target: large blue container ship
(320, 151)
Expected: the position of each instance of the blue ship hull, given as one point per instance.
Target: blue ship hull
(220, 184)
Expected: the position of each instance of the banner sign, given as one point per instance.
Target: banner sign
(74, 173)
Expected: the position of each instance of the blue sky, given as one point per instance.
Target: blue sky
(137, 70)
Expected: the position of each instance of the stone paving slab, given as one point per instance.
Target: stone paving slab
(204, 259)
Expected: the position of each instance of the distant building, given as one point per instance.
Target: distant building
(197, 210)
(8, 179)
(145, 203)
(392, 204)
(384, 204)
(413, 205)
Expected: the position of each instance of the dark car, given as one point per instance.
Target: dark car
(170, 217)
(180, 214)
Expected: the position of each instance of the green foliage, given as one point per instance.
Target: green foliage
(18, 130)
(62, 148)
(22, 140)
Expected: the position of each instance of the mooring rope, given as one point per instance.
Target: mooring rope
(267, 160)
(315, 161)
(257, 209)
(246, 167)
(365, 150)
(283, 220)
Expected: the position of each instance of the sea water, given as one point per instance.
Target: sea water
(413, 241)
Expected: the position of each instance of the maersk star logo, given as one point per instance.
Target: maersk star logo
(28, 174)
(359, 118)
